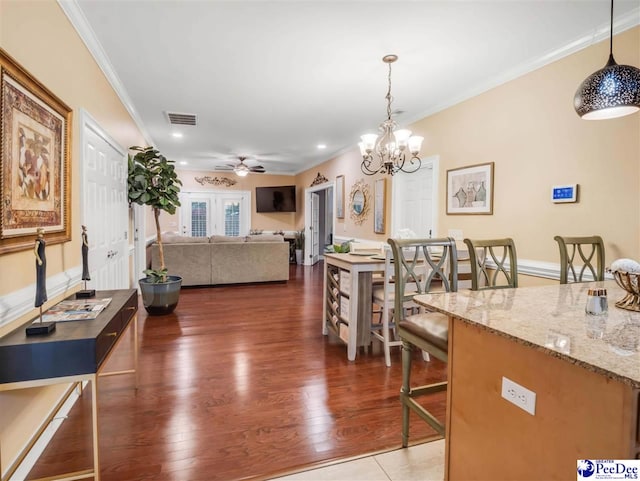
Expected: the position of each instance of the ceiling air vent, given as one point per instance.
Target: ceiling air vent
(176, 118)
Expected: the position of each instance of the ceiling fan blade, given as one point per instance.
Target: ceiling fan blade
(224, 167)
(258, 168)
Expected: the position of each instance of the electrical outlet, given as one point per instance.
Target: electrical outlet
(519, 395)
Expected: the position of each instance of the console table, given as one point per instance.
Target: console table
(75, 352)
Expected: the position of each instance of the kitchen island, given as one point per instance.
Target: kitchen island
(584, 371)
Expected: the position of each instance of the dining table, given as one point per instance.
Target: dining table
(347, 293)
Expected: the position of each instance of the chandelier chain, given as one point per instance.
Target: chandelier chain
(389, 97)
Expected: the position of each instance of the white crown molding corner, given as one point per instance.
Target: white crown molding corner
(20, 302)
(623, 23)
(77, 18)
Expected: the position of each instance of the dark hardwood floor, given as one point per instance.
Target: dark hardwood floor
(239, 383)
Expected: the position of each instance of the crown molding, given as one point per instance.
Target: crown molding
(77, 18)
(625, 22)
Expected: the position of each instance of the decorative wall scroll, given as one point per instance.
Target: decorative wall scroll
(379, 206)
(35, 142)
(359, 202)
(215, 181)
(340, 196)
(320, 179)
(470, 189)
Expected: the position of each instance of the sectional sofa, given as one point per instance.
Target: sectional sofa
(215, 260)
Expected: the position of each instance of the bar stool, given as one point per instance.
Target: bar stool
(589, 249)
(383, 296)
(497, 273)
(428, 331)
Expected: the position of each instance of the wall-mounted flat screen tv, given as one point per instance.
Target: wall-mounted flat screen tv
(276, 199)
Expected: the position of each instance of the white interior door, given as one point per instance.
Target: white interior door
(315, 227)
(105, 208)
(415, 200)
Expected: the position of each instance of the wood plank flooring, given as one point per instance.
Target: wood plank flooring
(239, 383)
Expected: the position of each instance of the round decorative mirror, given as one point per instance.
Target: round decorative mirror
(359, 202)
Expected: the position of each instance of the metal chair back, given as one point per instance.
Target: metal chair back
(494, 263)
(581, 254)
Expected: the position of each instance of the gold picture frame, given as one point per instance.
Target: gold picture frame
(340, 196)
(35, 145)
(470, 190)
(379, 206)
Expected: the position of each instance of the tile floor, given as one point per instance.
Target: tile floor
(424, 462)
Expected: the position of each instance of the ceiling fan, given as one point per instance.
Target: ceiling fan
(241, 169)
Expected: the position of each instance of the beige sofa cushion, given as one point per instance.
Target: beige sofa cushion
(217, 239)
(191, 261)
(265, 238)
(226, 262)
(249, 262)
(183, 239)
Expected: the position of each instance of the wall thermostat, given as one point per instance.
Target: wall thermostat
(564, 193)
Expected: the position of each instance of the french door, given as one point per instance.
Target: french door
(215, 213)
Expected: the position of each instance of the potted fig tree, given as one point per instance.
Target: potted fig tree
(153, 181)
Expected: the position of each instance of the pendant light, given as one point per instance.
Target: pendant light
(611, 92)
(392, 145)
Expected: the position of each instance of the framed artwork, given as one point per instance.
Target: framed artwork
(340, 196)
(470, 189)
(35, 138)
(379, 204)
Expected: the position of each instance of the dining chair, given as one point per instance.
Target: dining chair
(417, 328)
(383, 296)
(494, 263)
(590, 251)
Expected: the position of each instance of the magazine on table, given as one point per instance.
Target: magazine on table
(76, 310)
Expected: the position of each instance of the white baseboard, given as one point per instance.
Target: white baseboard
(20, 302)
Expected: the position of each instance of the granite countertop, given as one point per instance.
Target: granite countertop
(553, 319)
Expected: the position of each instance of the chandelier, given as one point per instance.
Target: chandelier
(611, 92)
(388, 152)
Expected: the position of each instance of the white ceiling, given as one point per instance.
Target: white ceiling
(272, 79)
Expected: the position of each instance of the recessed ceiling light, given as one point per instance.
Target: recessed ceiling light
(322, 146)
(177, 135)
(183, 162)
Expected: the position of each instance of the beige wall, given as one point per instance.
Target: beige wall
(529, 129)
(39, 36)
(347, 164)
(64, 65)
(270, 221)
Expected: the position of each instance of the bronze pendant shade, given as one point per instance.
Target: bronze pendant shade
(612, 91)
